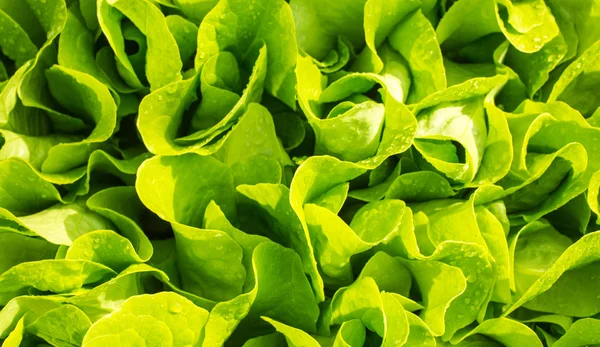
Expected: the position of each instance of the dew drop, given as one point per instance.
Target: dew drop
(171, 89)
(175, 308)
(228, 315)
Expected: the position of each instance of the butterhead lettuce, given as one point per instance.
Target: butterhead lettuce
(268, 173)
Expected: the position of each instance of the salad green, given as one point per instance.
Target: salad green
(287, 173)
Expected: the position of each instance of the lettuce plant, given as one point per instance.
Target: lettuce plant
(267, 173)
